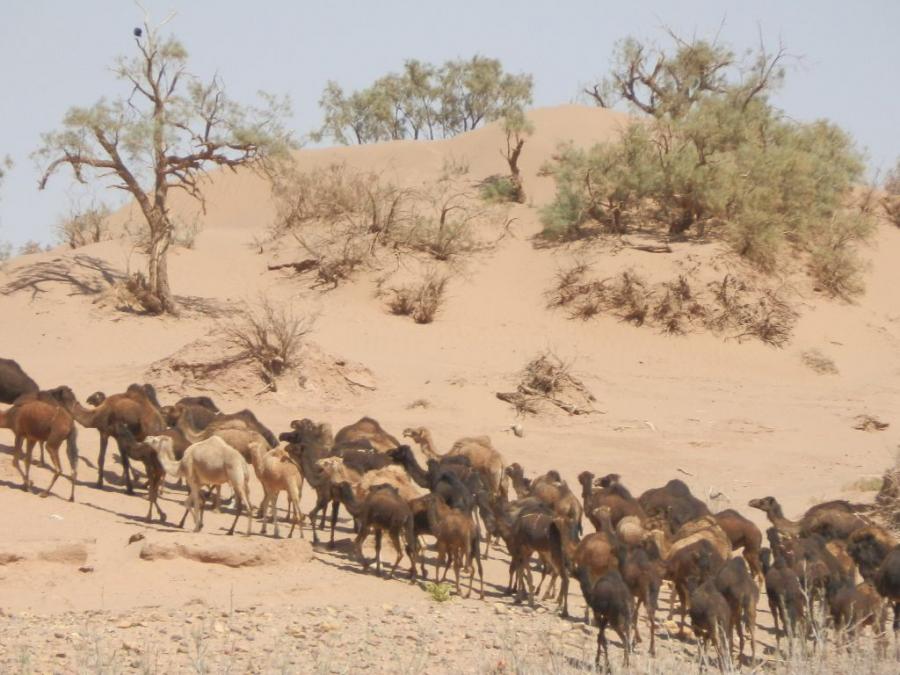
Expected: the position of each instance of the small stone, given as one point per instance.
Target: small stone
(58, 635)
(219, 627)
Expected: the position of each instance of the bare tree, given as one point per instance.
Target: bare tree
(165, 136)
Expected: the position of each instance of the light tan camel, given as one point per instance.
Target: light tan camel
(209, 462)
(277, 472)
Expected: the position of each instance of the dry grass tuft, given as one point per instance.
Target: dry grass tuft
(818, 362)
(421, 300)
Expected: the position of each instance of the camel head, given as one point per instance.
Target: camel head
(96, 399)
(586, 478)
(609, 480)
(332, 466)
(64, 395)
(161, 445)
(172, 413)
(307, 432)
(766, 504)
(418, 434)
(868, 547)
(402, 454)
(515, 471)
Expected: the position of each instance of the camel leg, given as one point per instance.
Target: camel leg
(43, 461)
(262, 512)
(395, 541)
(275, 514)
(101, 458)
(297, 517)
(651, 617)
(378, 552)
(335, 507)
(321, 503)
(53, 451)
(18, 453)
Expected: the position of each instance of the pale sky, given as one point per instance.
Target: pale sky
(57, 54)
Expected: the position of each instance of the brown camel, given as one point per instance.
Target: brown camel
(135, 409)
(35, 421)
(366, 429)
(831, 520)
(551, 490)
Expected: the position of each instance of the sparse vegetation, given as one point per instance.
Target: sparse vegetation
(343, 218)
(424, 101)
(270, 334)
(546, 380)
(440, 592)
(731, 306)
(716, 159)
(891, 200)
(31, 246)
(421, 300)
(82, 227)
(818, 362)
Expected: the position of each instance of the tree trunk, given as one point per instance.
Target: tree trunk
(158, 267)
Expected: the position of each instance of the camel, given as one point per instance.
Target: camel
(550, 489)
(338, 472)
(831, 520)
(382, 509)
(366, 429)
(195, 418)
(742, 533)
(612, 494)
(209, 462)
(457, 537)
(135, 409)
(14, 381)
(137, 451)
(483, 456)
(277, 472)
(34, 421)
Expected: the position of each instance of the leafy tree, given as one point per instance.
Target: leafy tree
(424, 101)
(165, 136)
(714, 157)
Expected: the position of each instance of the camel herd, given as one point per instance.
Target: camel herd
(834, 562)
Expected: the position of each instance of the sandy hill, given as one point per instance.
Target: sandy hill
(737, 419)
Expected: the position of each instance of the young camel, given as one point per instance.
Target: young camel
(277, 472)
(551, 490)
(458, 543)
(382, 510)
(209, 462)
(37, 421)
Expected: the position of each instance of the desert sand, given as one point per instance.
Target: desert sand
(734, 419)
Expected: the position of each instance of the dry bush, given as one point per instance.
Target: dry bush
(271, 335)
(338, 216)
(185, 234)
(891, 205)
(820, 363)
(745, 311)
(448, 215)
(731, 306)
(5, 251)
(421, 300)
(82, 227)
(547, 379)
(31, 246)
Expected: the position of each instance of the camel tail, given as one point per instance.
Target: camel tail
(72, 448)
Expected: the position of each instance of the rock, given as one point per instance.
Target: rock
(234, 552)
(219, 627)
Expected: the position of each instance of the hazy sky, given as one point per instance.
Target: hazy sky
(57, 54)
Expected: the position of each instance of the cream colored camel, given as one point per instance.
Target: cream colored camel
(277, 472)
(208, 462)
